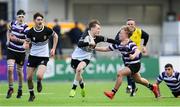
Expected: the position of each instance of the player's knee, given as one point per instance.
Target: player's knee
(29, 78)
(39, 77)
(20, 73)
(137, 80)
(78, 70)
(19, 70)
(119, 74)
(10, 69)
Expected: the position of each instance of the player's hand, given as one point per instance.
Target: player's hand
(92, 45)
(26, 45)
(144, 50)
(132, 56)
(13, 38)
(52, 52)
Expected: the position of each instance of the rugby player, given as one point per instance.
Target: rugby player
(38, 58)
(140, 38)
(171, 78)
(83, 53)
(131, 56)
(16, 52)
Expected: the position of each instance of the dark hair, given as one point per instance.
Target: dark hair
(168, 65)
(76, 23)
(20, 12)
(55, 20)
(37, 15)
(93, 23)
(127, 30)
(130, 19)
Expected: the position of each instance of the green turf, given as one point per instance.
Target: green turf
(56, 94)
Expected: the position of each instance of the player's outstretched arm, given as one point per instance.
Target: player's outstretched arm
(102, 49)
(101, 38)
(55, 41)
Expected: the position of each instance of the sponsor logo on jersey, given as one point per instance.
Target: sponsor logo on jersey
(45, 37)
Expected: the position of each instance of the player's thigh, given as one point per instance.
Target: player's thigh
(20, 58)
(81, 66)
(124, 72)
(137, 77)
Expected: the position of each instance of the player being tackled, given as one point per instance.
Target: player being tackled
(131, 57)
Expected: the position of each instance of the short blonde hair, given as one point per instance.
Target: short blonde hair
(127, 30)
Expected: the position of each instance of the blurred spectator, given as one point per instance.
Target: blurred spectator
(3, 37)
(75, 34)
(57, 29)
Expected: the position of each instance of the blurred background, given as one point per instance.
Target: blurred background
(159, 18)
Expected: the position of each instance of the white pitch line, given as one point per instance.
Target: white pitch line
(36, 93)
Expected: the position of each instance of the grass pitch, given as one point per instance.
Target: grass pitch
(57, 94)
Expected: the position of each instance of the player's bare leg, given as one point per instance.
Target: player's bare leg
(30, 72)
(137, 77)
(124, 72)
(10, 63)
(40, 73)
(19, 69)
(78, 79)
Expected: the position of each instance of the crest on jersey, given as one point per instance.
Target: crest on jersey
(42, 62)
(34, 38)
(21, 62)
(45, 37)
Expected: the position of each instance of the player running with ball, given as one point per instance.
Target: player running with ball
(83, 53)
(131, 57)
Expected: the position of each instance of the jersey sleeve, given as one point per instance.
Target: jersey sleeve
(178, 77)
(82, 42)
(145, 36)
(10, 26)
(50, 32)
(100, 39)
(26, 29)
(132, 46)
(117, 36)
(105, 39)
(28, 36)
(160, 78)
(113, 47)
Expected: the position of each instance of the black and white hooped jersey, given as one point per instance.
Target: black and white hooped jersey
(172, 82)
(84, 51)
(19, 31)
(39, 40)
(126, 50)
